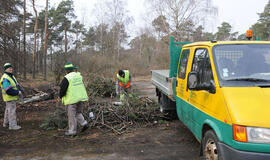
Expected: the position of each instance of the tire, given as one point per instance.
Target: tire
(167, 107)
(210, 146)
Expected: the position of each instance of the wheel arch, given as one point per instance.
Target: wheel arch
(210, 125)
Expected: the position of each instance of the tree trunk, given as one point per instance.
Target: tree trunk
(19, 52)
(35, 40)
(51, 60)
(65, 41)
(4, 43)
(15, 53)
(76, 49)
(24, 43)
(118, 47)
(37, 54)
(45, 41)
(101, 40)
(41, 55)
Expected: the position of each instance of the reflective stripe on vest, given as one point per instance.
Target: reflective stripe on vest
(76, 91)
(13, 83)
(124, 80)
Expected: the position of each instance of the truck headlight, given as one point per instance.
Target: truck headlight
(258, 135)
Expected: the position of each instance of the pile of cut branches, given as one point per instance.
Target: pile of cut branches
(98, 86)
(134, 112)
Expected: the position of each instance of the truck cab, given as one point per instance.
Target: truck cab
(222, 94)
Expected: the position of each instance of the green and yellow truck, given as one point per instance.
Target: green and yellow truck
(221, 92)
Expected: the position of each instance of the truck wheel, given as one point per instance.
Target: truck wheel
(210, 146)
(167, 107)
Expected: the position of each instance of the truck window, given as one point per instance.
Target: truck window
(202, 65)
(183, 64)
(236, 61)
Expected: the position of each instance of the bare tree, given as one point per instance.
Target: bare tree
(66, 41)
(45, 41)
(35, 39)
(24, 42)
(180, 12)
(101, 13)
(114, 14)
(4, 38)
(161, 26)
(119, 19)
(144, 44)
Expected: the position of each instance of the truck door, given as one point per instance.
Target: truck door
(201, 100)
(181, 89)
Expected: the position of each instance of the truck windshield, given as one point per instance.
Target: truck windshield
(242, 62)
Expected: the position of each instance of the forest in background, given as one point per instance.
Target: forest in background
(39, 43)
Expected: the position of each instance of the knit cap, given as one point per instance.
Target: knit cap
(7, 65)
(69, 66)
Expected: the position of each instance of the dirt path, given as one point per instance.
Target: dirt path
(162, 141)
(145, 89)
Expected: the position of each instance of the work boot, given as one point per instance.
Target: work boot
(70, 134)
(15, 127)
(84, 128)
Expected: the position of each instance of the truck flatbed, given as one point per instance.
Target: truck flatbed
(162, 81)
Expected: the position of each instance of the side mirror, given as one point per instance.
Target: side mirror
(192, 84)
(192, 80)
(210, 87)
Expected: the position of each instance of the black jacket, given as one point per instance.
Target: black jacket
(63, 87)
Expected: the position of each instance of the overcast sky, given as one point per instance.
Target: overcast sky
(241, 14)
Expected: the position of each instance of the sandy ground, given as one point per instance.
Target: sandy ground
(161, 141)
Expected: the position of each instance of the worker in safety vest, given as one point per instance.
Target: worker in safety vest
(73, 92)
(11, 91)
(123, 83)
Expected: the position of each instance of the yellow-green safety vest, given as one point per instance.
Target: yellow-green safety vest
(13, 83)
(76, 91)
(124, 80)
